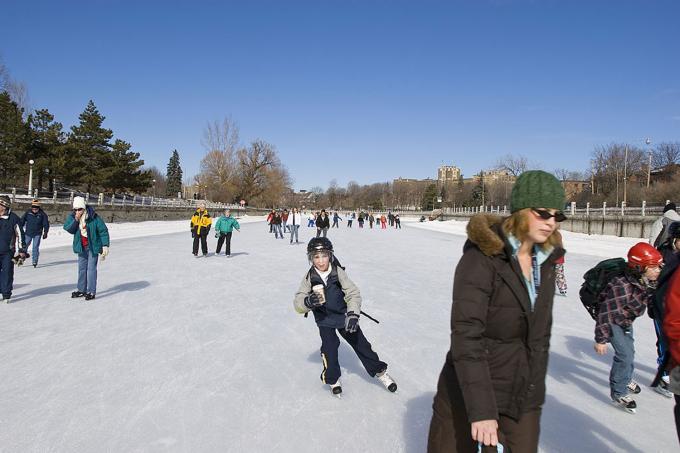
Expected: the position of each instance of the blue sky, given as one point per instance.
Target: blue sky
(358, 90)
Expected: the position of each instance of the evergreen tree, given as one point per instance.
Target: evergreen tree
(13, 140)
(429, 197)
(173, 176)
(124, 170)
(92, 144)
(47, 140)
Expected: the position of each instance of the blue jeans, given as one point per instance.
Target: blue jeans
(36, 247)
(622, 341)
(277, 231)
(294, 232)
(6, 274)
(87, 271)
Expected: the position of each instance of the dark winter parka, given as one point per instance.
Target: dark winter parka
(10, 231)
(322, 221)
(499, 344)
(35, 224)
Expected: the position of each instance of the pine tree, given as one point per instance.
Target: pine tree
(92, 143)
(174, 176)
(125, 170)
(13, 140)
(429, 197)
(47, 139)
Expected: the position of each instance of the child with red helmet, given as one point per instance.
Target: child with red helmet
(625, 298)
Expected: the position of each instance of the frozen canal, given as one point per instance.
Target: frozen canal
(187, 354)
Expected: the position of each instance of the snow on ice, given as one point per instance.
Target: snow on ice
(185, 354)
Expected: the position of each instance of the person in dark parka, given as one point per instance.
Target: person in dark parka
(492, 386)
(36, 227)
(10, 232)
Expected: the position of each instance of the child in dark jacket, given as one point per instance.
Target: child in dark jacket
(625, 298)
(335, 301)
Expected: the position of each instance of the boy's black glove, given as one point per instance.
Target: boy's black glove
(313, 301)
(351, 322)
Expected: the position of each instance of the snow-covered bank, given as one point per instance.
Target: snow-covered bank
(57, 237)
(575, 243)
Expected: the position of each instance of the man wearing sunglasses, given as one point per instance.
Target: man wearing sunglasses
(90, 239)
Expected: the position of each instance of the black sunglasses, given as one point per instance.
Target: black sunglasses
(78, 209)
(546, 215)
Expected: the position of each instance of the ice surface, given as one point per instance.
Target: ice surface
(187, 354)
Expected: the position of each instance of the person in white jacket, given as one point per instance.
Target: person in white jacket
(659, 232)
(294, 219)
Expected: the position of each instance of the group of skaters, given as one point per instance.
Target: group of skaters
(201, 224)
(283, 221)
(90, 241)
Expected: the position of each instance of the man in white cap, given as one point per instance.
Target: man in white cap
(90, 239)
(10, 232)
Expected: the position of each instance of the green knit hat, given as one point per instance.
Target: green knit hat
(537, 189)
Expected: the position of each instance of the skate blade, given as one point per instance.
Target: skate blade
(623, 408)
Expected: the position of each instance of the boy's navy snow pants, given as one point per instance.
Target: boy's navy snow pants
(6, 274)
(329, 353)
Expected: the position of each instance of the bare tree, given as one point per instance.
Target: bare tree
(514, 165)
(158, 188)
(259, 167)
(222, 137)
(666, 154)
(218, 174)
(17, 90)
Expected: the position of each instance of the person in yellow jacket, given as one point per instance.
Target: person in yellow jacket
(200, 227)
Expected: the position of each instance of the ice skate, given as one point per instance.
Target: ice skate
(662, 388)
(336, 389)
(387, 381)
(634, 387)
(626, 403)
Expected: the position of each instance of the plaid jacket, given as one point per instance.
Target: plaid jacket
(623, 299)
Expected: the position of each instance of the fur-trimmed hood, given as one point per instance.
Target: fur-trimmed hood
(484, 231)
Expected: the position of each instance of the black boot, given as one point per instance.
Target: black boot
(89, 296)
(76, 294)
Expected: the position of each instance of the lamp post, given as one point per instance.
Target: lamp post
(649, 166)
(154, 188)
(30, 176)
(625, 176)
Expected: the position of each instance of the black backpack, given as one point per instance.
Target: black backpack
(595, 280)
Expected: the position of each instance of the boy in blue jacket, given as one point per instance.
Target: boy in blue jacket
(336, 309)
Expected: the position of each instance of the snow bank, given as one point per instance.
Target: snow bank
(57, 237)
(576, 243)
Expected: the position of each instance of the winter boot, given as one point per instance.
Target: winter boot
(626, 403)
(336, 389)
(387, 381)
(633, 387)
(76, 294)
(89, 296)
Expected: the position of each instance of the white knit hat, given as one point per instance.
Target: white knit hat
(78, 203)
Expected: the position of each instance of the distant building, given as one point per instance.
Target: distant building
(573, 187)
(664, 174)
(447, 174)
(493, 176)
(409, 184)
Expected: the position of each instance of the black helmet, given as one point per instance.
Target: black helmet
(318, 245)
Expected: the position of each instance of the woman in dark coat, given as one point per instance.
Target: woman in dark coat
(492, 386)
